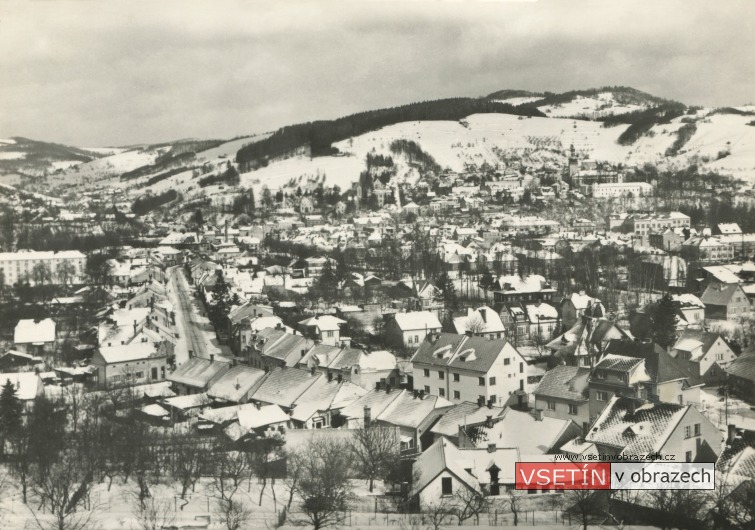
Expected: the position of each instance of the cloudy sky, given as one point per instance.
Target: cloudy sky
(94, 73)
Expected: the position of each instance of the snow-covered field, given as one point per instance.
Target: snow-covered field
(12, 155)
(603, 104)
(520, 100)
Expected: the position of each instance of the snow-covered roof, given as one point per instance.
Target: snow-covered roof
(414, 320)
(29, 331)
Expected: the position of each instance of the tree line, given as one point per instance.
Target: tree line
(320, 135)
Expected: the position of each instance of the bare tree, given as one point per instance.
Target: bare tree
(469, 503)
(230, 469)
(233, 513)
(376, 450)
(475, 325)
(583, 504)
(514, 501)
(438, 512)
(65, 488)
(742, 512)
(188, 460)
(675, 508)
(154, 514)
(293, 475)
(262, 454)
(324, 486)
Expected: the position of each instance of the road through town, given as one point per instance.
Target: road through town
(196, 336)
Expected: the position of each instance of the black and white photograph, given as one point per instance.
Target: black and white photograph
(377, 264)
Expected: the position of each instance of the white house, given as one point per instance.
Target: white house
(134, 363)
(35, 336)
(462, 368)
(481, 322)
(324, 328)
(410, 329)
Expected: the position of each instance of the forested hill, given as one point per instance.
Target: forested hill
(320, 135)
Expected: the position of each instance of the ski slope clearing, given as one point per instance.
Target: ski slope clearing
(520, 100)
(228, 150)
(604, 104)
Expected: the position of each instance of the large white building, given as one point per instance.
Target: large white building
(621, 189)
(19, 266)
(476, 369)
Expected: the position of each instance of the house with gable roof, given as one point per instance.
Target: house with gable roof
(408, 330)
(725, 301)
(197, 375)
(445, 471)
(706, 353)
(563, 393)
(35, 336)
(577, 305)
(361, 367)
(631, 427)
(323, 328)
(273, 348)
(413, 413)
(741, 373)
(482, 322)
(462, 368)
(641, 370)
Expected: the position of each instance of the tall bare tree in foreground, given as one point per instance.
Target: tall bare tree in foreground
(324, 486)
(376, 451)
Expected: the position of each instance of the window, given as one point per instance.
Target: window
(492, 381)
(688, 456)
(521, 384)
(442, 392)
(456, 378)
(427, 389)
(573, 410)
(521, 368)
(506, 361)
(328, 333)
(426, 372)
(481, 381)
(551, 405)
(447, 486)
(687, 433)
(441, 375)
(600, 374)
(457, 394)
(697, 429)
(154, 372)
(601, 396)
(416, 339)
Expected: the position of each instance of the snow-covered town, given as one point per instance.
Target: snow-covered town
(370, 320)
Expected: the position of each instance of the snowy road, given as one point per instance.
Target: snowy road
(196, 336)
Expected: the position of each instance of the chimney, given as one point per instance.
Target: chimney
(312, 370)
(732, 429)
(480, 401)
(489, 421)
(538, 414)
(387, 389)
(484, 315)
(491, 447)
(377, 385)
(367, 416)
(339, 378)
(416, 394)
(330, 377)
(212, 358)
(490, 403)
(134, 327)
(422, 394)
